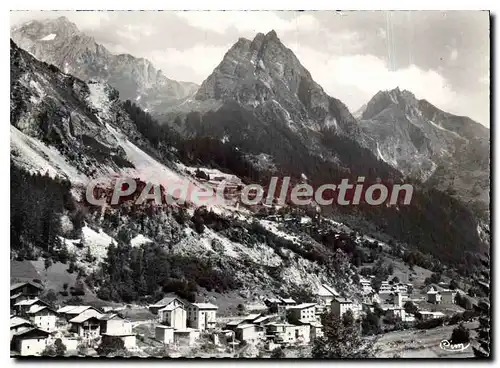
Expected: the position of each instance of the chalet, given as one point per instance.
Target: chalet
(433, 296)
(17, 324)
(154, 308)
(385, 287)
(165, 334)
(201, 316)
(43, 317)
(87, 324)
(23, 306)
(326, 294)
(71, 311)
(288, 302)
(24, 290)
(285, 333)
(30, 341)
(249, 332)
(342, 305)
(366, 285)
(448, 296)
(305, 312)
(115, 325)
(173, 315)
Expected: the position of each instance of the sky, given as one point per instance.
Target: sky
(440, 56)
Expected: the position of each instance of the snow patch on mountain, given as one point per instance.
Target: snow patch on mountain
(49, 37)
(139, 240)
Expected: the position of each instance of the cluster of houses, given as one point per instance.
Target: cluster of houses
(35, 324)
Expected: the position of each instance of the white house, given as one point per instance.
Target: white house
(172, 301)
(201, 316)
(17, 324)
(87, 324)
(71, 311)
(31, 341)
(115, 325)
(23, 306)
(164, 334)
(326, 294)
(43, 317)
(305, 312)
(426, 315)
(366, 285)
(286, 333)
(433, 296)
(448, 296)
(342, 305)
(385, 287)
(249, 332)
(173, 315)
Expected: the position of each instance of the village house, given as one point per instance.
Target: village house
(326, 294)
(396, 312)
(426, 315)
(24, 305)
(173, 315)
(71, 311)
(24, 290)
(366, 285)
(43, 317)
(114, 324)
(286, 333)
(202, 316)
(342, 305)
(287, 302)
(165, 334)
(385, 287)
(448, 296)
(87, 324)
(167, 301)
(30, 341)
(186, 337)
(433, 296)
(17, 324)
(249, 332)
(305, 312)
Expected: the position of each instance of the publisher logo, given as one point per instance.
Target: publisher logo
(448, 346)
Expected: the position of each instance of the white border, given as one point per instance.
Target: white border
(184, 5)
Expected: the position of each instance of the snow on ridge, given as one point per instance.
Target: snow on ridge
(99, 99)
(49, 37)
(139, 240)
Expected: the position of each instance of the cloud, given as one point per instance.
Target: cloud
(356, 78)
(248, 21)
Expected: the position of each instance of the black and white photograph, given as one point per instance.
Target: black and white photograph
(257, 185)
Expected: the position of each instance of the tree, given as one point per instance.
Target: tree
(47, 263)
(277, 354)
(453, 284)
(51, 296)
(395, 280)
(371, 324)
(109, 345)
(460, 335)
(410, 307)
(56, 349)
(341, 339)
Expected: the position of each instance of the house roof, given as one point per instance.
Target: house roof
(28, 302)
(343, 300)
(110, 316)
(18, 321)
(85, 316)
(169, 307)
(74, 309)
(288, 300)
(205, 306)
(38, 308)
(235, 322)
(433, 313)
(32, 331)
(247, 325)
(166, 301)
(251, 317)
(262, 319)
(273, 300)
(302, 306)
(16, 295)
(21, 284)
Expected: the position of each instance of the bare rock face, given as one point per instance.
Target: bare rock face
(448, 151)
(59, 42)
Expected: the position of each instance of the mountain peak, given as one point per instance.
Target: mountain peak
(272, 35)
